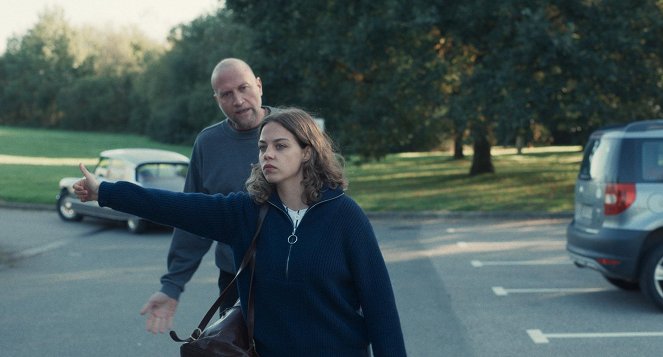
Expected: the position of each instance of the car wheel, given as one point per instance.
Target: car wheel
(651, 276)
(136, 225)
(623, 284)
(64, 208)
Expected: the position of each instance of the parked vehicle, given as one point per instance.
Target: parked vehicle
(617, 227)
(146, 167)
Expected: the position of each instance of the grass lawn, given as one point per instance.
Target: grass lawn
(540, 180)
(32, 161)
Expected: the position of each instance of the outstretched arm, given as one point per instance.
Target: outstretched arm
(218, 217)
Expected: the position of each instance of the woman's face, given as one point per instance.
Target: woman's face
(281, 157)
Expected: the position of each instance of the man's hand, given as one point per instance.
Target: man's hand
(160, 309)
(86, 189)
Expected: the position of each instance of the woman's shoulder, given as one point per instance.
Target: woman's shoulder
(347, 200)
(345, 206)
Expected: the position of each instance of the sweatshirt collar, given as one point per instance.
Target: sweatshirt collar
(327, 195)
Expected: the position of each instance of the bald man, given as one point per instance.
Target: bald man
(220, 163)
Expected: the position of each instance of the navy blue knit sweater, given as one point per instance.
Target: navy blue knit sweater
(329, 294)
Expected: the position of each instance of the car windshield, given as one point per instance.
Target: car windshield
(163, 175)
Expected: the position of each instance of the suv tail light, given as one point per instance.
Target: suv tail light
(618, 197)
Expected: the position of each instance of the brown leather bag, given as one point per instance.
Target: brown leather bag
(229, 336)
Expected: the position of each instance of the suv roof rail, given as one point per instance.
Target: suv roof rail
(645, 125)
(610, 127)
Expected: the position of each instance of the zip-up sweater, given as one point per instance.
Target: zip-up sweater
(328, 294)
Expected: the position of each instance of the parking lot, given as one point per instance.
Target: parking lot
(514, 292)
(465, 286)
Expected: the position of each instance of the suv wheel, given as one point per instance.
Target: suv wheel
(623, 284)
(136, 225)
(651, 277)
(64, 208)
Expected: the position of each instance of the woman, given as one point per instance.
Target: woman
(321, 285)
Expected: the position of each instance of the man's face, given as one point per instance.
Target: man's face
(239, 95)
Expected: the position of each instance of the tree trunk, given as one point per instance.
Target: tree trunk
(520, 143)
(481, 160)
(458, 146)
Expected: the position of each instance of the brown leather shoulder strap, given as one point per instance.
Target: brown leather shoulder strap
(249, 257)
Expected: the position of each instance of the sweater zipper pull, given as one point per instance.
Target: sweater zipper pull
(292, 239)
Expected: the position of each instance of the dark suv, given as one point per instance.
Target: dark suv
(617, 227)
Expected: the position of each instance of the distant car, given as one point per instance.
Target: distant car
(617, 228)
(146, 167)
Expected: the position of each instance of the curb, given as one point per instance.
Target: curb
(28, 206)
(378, 214)
(471, 214)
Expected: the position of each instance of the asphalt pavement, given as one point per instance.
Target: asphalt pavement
(11, 249)
(77, 270)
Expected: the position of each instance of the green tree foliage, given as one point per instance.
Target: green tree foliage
(177, 88)
(96, 103)
(105, 98)
(387, 76)
(34, 68)
(570, 66)
(362, 65)
(59, 76)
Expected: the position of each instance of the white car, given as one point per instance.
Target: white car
(146, 167)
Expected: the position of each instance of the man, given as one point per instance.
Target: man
(220, 163)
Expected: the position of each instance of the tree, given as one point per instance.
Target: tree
(104, 99)
(59, 76)
(568, 65)
(176, 89)
(363, 66)
(35, 67)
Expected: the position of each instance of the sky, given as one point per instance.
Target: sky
(154, 17)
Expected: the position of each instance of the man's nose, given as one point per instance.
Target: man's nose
(237, 99)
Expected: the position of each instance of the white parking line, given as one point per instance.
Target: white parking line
(539, 337)
(27, 253)
(501, 291)
(479, 263)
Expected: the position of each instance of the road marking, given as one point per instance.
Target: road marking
(31, 252)
(479, 263)
(501, 291)
(27, 253)
(539, 337)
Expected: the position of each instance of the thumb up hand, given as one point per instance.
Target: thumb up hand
(86, 189)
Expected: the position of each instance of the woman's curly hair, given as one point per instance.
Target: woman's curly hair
(323, 169)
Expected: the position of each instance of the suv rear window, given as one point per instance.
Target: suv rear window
(599, 160)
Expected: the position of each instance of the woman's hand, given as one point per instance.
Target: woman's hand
(86, 189)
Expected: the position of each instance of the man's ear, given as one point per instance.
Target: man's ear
(259, 84)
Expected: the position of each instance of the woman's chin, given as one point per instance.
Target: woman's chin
(271, 179)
